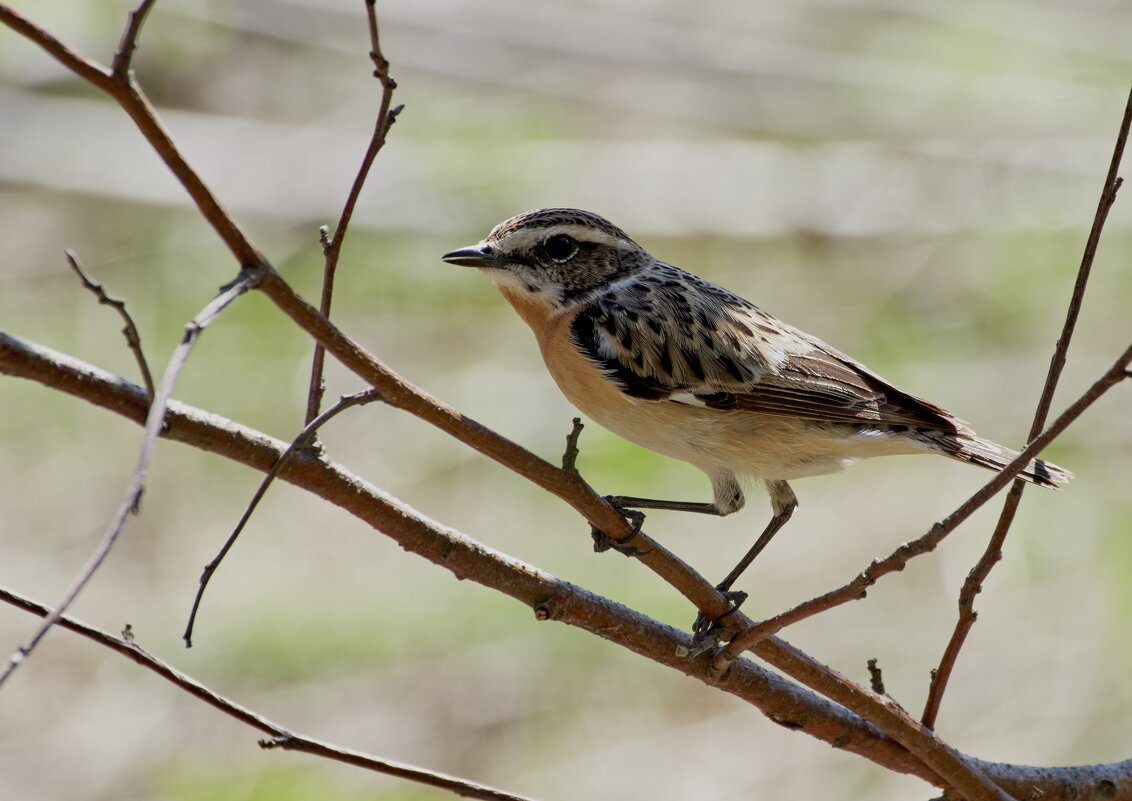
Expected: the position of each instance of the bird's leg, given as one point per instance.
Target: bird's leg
(629, 507)
(624, 502)
(783, 502)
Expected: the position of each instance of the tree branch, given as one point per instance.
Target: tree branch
(551, 598)
(280, 736)
(155, 419)
(973, 584)
(123, 89)
(305, 437)
(120, 66)
(130, 331)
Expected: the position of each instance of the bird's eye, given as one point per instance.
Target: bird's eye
(560, 247)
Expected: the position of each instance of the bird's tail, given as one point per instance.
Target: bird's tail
(984, 453)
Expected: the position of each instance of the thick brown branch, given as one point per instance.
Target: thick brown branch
(973, 584)
(281, 737)
(781, 700)
(551, 598)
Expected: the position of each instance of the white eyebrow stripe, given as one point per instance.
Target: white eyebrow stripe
(526, 238)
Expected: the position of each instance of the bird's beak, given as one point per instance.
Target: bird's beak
(480, 255)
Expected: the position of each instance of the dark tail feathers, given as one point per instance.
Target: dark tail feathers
(984, 453)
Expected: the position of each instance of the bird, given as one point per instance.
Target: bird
(688, 369)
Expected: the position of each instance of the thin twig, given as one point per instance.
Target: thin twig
(856, 589)
(570, 455)
(876, 677)
(332, 248)
(132, 499)
(120, 66)
(133, 339)
(973, 584)
(301, 441)
(281, 737)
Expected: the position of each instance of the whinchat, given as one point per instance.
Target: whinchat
(690, 370)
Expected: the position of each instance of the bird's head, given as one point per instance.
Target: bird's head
(560, 255)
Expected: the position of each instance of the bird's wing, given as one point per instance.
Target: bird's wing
(670, 336)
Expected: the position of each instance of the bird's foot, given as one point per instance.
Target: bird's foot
(705, 626)
(604, 542)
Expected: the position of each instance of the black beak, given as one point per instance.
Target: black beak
(476, 256)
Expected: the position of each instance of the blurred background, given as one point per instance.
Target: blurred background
(913, 184)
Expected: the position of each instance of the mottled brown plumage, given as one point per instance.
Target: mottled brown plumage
(693, 371)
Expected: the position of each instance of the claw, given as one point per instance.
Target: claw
(704, 625)
(603, 542)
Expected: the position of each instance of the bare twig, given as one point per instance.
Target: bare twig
(281, 737)
(120, 66)
(305, 437)
(973, 584)
(855, 590)
(332, 248)
(876, 677)
(570, 455)
(133, 339)
(130, 502)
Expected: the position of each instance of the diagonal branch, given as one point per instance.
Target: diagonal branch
(130, 502)
(122, 88)
(280, 737)
(973, 584)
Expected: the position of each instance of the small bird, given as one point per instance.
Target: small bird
(690, 370)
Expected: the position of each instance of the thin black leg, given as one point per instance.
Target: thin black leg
(783, 502)
(629, 502)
